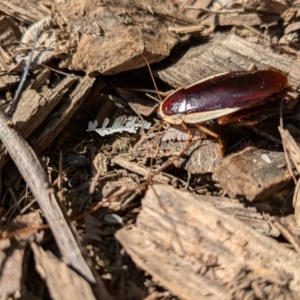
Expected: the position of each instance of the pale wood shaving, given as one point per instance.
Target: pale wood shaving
(68, 284)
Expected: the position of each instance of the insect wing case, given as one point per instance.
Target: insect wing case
(221, 95)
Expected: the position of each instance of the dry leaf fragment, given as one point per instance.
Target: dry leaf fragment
(121, 124)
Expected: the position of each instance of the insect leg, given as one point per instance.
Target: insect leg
(215, 135)
(184, 126)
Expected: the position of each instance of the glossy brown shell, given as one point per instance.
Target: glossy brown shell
(220, 95)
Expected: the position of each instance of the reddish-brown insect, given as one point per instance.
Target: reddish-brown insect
(225, 97)
(221, 95)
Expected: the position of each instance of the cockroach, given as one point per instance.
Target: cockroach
(221, 96)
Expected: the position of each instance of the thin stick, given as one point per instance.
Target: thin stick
(61, 72)
(60, 171)
(288, 163)
(13, 103)
(286, 233)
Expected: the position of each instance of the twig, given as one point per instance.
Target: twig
(13, 103)
(288, 163)
(286, 233)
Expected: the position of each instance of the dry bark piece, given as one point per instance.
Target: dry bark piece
(296, 202)
(99, 167)
(250, 215)
(191, 9)
(11, 256)
(6, 80)
(227, 53)
(67, 283)
(235, 19)
(24, 11)
(11, 269)
(291, 146)
(33, 108)
(211, 21)
(267, 6)
(141, 170)
(289, 222)
(108, 38)
(40, 79)
(292, 27)
(9, 35)
(49, 130)
(108, 186)
(201, 158)
(141, 105)
(219, 256)
(107, 109)
(294, 152)
(254, 174)
(289, 15)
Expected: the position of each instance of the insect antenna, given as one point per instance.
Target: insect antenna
(159, 96)
(151, 74)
